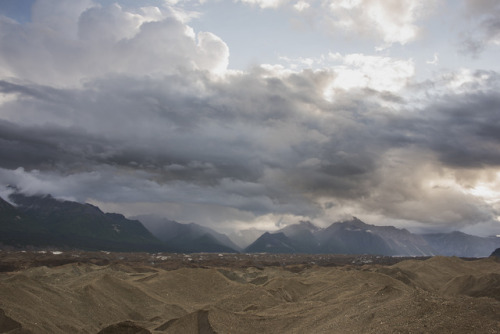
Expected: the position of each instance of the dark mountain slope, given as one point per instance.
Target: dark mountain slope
(461, 244)
(355, 237)
(188, 237)
(352, 237)
(347, 237)
(296, 238)
(302, 237)
(44, 221)
(272, 243)
(403, 242)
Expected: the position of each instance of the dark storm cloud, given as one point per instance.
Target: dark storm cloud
(134, 124)
(31, 91)
(462, 129)
(22, 147)
(148, 125)
(250, 135)
(469, 136)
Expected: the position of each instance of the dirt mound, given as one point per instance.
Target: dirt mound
(287, 289)
(438, 295)
(245, 276)
(404, 276)
(487, 285)
(125, 327)
(196, 322)
(434, 273)
(7, 324)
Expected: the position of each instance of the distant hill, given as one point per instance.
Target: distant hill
(43, 221)
(188, 237)
(348, 237)
(273, 243)
(356, 237)
(303, 237)
(296, 238)
(461, 244)
(352, 237)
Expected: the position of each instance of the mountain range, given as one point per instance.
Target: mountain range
(356, 237)
(188, 237)
(43, 221)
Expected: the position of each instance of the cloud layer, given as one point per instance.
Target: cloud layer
(137, 112)
(389, 21)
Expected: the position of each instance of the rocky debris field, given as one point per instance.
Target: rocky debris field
(51, 291)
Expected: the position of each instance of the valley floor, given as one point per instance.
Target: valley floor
(82, 292)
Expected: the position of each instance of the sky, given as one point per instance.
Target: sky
(245, 114)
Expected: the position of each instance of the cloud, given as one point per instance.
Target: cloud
(434, 61)
(484, 29)
(391, 22)
(265, 3)
(146, 117)
(92, 40)
(414, 183)
(59, 16)
(301, 5)
(374, 72)
(394, 21)
(480, 7)
(253, 143)
(355, 71)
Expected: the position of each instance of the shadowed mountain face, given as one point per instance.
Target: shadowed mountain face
(188, 237)
(12, 219)
(303, 236)
(44, 221)
(461, 244)
(273, 243)
(356, 237)
(299, 238)
(349, 237)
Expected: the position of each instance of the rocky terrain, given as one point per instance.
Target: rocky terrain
(91, 292)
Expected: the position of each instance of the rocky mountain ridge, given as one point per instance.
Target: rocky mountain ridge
(356, 237)
(190, 237)
(43, 221)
